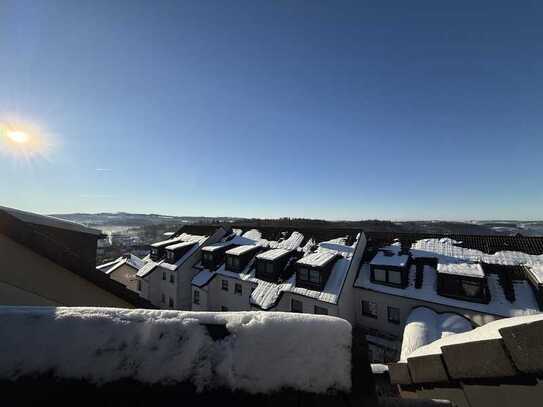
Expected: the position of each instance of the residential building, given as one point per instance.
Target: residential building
(124, 270)
(165, 278)
(293, 273)
(49, 261)
(481, 278)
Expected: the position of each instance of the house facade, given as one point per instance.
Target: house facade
(165, 278)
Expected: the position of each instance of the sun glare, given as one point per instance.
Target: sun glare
(18, 136)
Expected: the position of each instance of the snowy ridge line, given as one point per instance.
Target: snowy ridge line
(104, 345)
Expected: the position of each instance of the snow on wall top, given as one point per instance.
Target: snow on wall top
(272, 254)
(424, 326)
(461, 269)
(486, 332)
(103, 345)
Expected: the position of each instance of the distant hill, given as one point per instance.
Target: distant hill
(135, 220)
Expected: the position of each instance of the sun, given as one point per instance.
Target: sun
(18, 136)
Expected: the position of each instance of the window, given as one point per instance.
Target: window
(224, 285)
(369, 309)
(235, 263)
(394, 277)
(208, 257)
(393, 315)
(471, 288)
(380, 275)
(172, 278)
(223, 308)
(387, 276)
(260, 267)
(139, 285)
(314, 276)
(320, 310)
(228, 262)
(164, 275)
(170, 302)
(237, 289)
(296, 306)
(269, 268)
(163, 299)
(196, 299)
(303, 274)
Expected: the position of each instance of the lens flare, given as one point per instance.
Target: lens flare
(23, 141)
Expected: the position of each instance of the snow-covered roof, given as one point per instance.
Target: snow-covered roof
(34, 218)
(391, 259)
(216, 246)
(273, 254)
(236, 251)
(165, 242)
(179, 245)
(131, 260)
(318, 258)
(143, 345)
(525, 302)
(446, 251)
(537, 272)
(148, 268)
(202, 278)
(459, 259)
(486, 332)
(461, 269)
(424, 326)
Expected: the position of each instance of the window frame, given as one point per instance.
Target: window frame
(196, 297)
(225, 285)
(367, 311)
(236, 291)
(392, 320)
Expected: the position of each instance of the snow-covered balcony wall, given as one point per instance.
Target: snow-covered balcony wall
(500, 363)
(249, 352)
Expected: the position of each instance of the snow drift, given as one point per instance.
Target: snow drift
(264, 351)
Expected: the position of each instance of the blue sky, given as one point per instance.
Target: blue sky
(339, 110)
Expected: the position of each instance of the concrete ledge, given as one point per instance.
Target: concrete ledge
(525, 345)
(427, 369)
(399, 373)
(478, 359)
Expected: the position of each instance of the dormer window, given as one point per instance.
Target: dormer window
(176, 251)
(239, 257)
(271, 263)
(465, 281)
(391, 269)
(158, 249)
(313, 270)
(214, 255)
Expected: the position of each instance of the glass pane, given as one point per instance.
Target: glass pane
(314, 276)
(380, 275)
(269, 268)
(394, 277)
(471, 289)
(302, 273)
